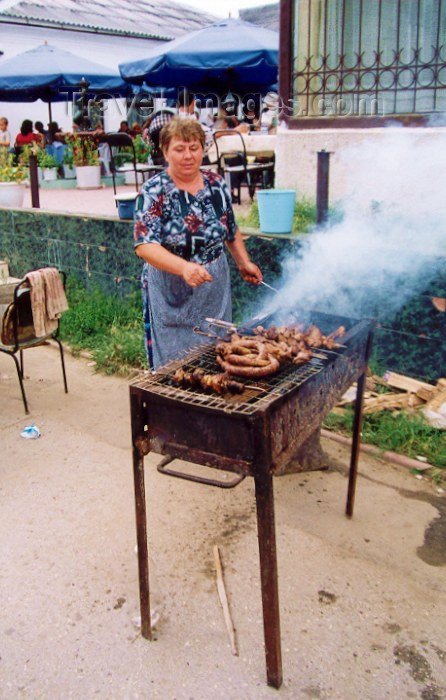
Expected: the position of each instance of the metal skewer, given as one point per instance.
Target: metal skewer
(198, 331)
(269, 287)
(221, 324)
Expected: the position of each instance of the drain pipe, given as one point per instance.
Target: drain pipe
(323, 170)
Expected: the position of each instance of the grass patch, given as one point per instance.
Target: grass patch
(399, 432)
(109, 327)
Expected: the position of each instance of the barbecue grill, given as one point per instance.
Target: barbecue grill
(256, 433)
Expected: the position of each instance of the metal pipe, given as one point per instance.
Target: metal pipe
(34, 182)
(323, 170)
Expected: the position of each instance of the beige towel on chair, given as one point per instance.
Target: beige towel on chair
(48, 300)
(56, 301)
(38, 306)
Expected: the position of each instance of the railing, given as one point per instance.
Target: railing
(365, 60)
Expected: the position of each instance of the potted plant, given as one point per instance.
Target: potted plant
(28, 150)
(142, 155)
(86, 161)
(143, 149)
(68, 164)
(49, 165)
(12, 180)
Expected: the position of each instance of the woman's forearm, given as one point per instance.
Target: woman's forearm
(248, 270)
(238, 250)
(161, 258)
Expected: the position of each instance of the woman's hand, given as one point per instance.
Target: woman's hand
(194, 275)
(250, 272)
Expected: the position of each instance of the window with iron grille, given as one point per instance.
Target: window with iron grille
(363, 59)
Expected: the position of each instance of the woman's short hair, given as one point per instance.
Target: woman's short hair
(183, 129)
(27, 127)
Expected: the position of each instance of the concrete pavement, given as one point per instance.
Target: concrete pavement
(363, 602)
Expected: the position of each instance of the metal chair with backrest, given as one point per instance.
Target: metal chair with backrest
(117, 140)
(235, 167)
(18, 332)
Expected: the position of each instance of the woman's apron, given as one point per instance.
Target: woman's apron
(175, 308)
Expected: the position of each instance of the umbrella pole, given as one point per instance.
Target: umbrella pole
(50, 119)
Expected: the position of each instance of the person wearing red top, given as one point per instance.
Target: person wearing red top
(27, 135)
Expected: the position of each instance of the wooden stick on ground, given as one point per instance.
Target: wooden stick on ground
(224, 600)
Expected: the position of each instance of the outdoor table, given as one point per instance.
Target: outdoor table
(254, 143)
(7, 289)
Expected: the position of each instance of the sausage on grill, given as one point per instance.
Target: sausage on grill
(269, 369)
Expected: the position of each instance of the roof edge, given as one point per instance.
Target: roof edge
(87, 29)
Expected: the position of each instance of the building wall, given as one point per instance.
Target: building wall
(359, 161)
(106, 49)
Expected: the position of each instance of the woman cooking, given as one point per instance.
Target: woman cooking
(180, 233)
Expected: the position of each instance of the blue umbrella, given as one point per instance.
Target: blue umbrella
(53, 75)
(48, 73)
(229, 54)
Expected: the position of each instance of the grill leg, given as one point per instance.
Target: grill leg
(140, 509)
(357, 423)
(141, 539)
(268, 576)
(356, 440)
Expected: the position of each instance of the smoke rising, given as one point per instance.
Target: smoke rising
(391, 240)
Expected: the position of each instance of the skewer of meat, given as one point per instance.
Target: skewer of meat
(219, 383)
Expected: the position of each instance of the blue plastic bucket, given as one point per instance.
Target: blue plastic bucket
(276, 210)
(126, 205)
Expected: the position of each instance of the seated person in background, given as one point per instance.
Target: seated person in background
(56, 142)
(124, 127)
(103, 150)
(152, 129)
(38, 126)
(55, 133)
(251, 115)
(187, 109)
(135, 129)
(268, 118)
(5, 136)
(227, 118)
(26, 135)
(207, 117)
(186, 105)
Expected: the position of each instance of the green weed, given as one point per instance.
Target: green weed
(110, 327)
(399, 432)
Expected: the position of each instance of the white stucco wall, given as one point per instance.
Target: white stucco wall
(105, 49)
(360, 159)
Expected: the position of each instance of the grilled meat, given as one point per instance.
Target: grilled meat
(312, 337)
(265, 369)
(219, 383)
(263, 354)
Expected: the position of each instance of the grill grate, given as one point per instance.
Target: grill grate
(249, 402)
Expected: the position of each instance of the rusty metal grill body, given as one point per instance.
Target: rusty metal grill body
(253, 434)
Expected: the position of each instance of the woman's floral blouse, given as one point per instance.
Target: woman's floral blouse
(194, 227)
